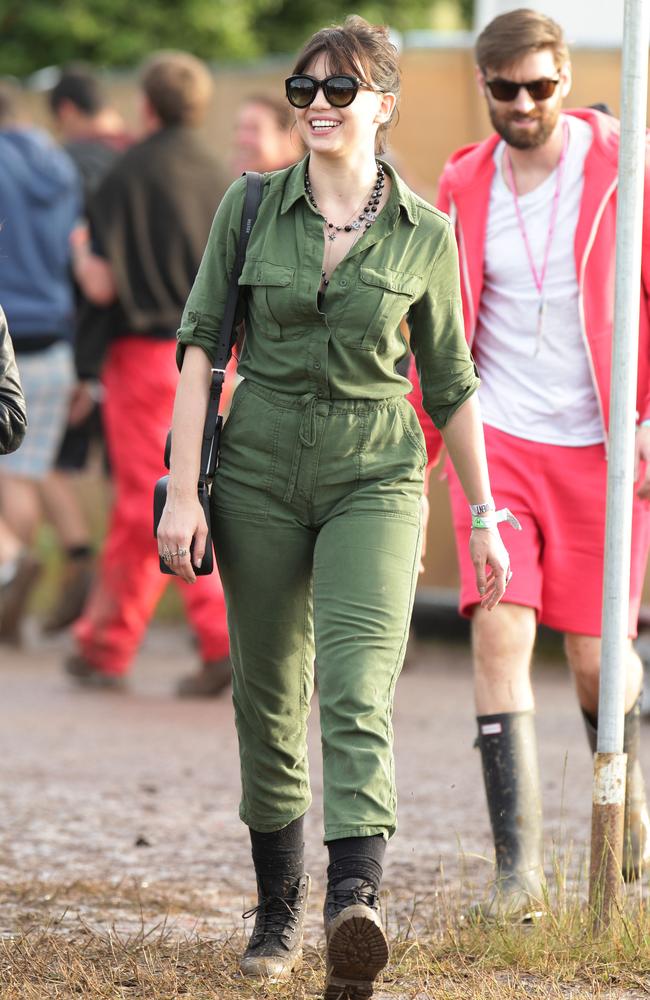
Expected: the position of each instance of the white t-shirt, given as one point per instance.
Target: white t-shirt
(536, 381)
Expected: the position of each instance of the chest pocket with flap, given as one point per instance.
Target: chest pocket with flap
(378, 303)
(270, 296)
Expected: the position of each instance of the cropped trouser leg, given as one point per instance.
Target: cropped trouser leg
(266, 576)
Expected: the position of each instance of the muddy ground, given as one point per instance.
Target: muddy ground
(120, 810)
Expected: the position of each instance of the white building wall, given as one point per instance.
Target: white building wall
(586, 22)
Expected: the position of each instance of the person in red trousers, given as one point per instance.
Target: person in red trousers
(149, 223)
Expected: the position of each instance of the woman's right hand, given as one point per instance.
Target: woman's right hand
(182, 521)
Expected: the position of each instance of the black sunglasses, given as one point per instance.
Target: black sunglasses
(339, 90)
(508, 90)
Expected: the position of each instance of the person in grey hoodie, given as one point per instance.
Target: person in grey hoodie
(40, 202)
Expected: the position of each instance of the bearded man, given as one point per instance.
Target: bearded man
(534, 208)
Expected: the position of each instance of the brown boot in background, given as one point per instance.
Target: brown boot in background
(210, 680)
(74, 587)
(14, 596)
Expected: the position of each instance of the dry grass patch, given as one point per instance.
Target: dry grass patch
(556, 958)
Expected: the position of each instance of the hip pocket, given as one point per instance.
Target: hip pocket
(412, 429)
(249, 454)
(391, 452)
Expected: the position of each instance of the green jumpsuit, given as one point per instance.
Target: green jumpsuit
(316, 502)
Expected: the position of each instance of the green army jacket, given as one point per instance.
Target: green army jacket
(406, 264)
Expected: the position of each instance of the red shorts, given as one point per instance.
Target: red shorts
(559, 495)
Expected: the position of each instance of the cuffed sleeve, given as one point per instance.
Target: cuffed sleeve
(446, 371)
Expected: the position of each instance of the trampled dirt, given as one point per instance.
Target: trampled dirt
(120, 810)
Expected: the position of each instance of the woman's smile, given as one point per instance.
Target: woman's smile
(322, 125)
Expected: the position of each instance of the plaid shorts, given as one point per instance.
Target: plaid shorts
(47, 378)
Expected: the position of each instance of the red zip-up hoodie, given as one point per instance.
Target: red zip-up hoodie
(464, 194)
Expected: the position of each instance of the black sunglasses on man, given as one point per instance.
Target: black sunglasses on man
(508, 90)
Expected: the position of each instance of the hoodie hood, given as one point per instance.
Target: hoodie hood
(40, 202)
(463, 167)
(35, 164)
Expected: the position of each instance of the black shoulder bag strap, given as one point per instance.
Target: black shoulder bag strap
(227, 335)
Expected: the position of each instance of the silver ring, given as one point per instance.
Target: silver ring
(182, 551)
(166, 555)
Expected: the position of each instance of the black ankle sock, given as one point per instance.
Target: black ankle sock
(356, 857)
(278, 856)
(79, 552)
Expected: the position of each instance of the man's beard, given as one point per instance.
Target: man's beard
(506, 125)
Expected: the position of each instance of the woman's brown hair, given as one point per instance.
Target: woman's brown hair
(362, 49)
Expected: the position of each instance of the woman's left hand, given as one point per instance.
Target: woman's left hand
(487, 550)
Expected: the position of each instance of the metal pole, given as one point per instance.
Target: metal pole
(610, 761)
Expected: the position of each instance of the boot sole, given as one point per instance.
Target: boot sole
(357, 951)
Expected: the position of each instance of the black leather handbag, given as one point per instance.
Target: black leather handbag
(213, 419)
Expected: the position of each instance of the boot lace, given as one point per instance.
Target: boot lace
(365, 892)
(274, 917)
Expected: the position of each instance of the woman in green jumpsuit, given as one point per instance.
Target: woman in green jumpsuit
(316, 503)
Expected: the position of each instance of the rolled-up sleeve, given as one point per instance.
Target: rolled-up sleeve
(445, 367)
(203, 312)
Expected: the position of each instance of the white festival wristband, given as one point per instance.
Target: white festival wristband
(482, 508)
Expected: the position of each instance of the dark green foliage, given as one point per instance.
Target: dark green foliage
(38, 33)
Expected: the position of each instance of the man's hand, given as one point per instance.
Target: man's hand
(82, 402)
(642, 462)
(92, 273)
(491, 565)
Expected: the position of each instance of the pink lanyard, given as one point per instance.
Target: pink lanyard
(539, 276)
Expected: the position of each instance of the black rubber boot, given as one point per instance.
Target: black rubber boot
(274, 950)
(510, 771)
(636, 829)
(357, 947)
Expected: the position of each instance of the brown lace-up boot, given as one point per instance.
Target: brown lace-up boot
(357, 947)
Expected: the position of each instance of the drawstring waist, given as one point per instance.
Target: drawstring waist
(309, 403)
(307, 429)
(291, 401)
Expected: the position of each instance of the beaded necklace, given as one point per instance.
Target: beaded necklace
(366, 215)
